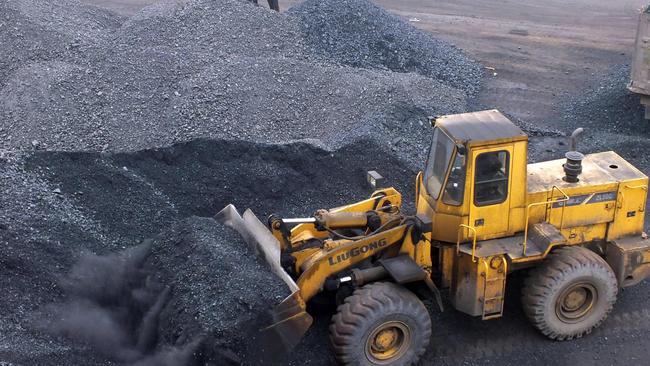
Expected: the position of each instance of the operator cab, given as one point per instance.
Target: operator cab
(475, 175)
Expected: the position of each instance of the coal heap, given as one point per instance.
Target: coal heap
(115, 129)
(229, 70)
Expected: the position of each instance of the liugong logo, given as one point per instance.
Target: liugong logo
(357, 251)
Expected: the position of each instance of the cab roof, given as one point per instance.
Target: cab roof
(489, 126)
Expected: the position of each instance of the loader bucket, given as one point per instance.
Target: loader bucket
(289, 320)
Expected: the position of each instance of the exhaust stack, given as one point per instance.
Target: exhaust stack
(573, 165)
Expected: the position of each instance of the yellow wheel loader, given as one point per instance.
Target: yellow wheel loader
(482, 212)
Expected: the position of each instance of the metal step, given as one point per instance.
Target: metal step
(494, 288)
(540, 238)
(544, 235)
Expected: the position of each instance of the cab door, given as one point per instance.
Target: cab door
(490, 191)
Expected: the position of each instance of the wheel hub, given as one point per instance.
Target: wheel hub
(386, 339)
(576, 302)
(575, 299)
(388, 342)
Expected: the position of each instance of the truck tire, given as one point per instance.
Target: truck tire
(570, 294)
(380, 324)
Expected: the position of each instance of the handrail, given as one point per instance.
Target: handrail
(551, 202)
(485, 283)
(461, 226)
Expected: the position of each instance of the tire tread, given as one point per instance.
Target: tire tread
(539, 285)
(374, 298)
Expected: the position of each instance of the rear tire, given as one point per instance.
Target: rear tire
(380, 324)
(570, 294)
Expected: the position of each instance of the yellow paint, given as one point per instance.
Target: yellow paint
(303, 232)
(632, 199)
(472, 231)
(447, 258)
(606, 205)
(585, 234)
(478, 287)
(313, 277)
(442, 225)
(495, 217)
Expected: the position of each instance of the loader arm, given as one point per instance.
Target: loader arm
(289, 319)
(312, 279)
(379, 198)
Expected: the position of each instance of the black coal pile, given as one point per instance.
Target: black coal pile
(58, 208)
(221, 292)
(115, 130)
(608, 103)
(40, 231)
(41, 30)
(178, 71)
(361, 34)
(117, 303)
(113, 305)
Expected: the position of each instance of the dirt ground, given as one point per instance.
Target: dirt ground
(539, 50)
(539, 55)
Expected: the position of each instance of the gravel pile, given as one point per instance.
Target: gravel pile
(55, 206)
(112, 130)
(41, 30)
(221, 290)
(361, 34)
(205, 69)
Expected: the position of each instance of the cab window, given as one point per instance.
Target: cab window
(491, 178)
(455, 187)
(438, 162)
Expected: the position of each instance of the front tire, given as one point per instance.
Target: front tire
(380, 324)
(570, 294)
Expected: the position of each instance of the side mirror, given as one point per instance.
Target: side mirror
(375, 179)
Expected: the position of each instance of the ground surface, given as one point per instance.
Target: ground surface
(558, 65)
(540, 51)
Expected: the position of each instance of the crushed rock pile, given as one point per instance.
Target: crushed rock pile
(221, 290)
(57, 207)
(361, 34)
(43, 30)
(178, 71)
(113, 129)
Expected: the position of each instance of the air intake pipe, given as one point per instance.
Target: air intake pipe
(573, 165)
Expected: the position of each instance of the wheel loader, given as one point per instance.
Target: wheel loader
(482, 213)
